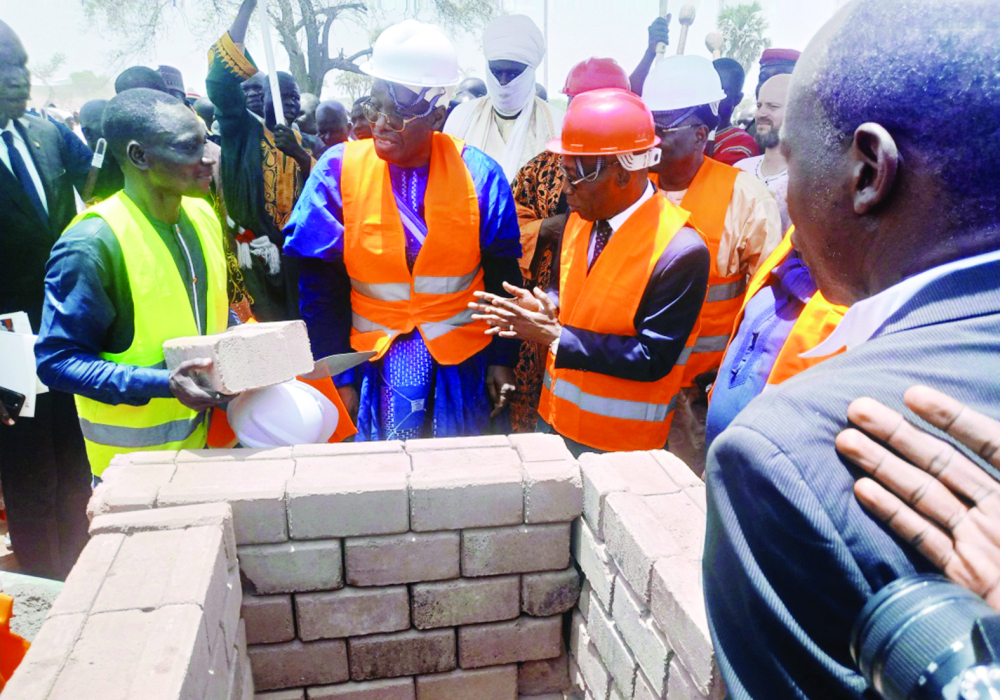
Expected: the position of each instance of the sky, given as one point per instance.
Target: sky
(577, 29)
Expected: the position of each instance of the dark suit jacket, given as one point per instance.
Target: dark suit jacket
(25, 240)
(790, 555)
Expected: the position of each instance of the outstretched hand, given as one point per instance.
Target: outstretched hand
(932, 495)
(528, 315)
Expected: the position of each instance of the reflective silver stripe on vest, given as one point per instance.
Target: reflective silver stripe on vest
(435, 329)
(610, 408)
(390, 291)
(711, 343)
(443, 285)
(363, 325)
(682, 359)
(725, 292)
(153, 436)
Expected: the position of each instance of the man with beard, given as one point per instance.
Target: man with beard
(771, 168)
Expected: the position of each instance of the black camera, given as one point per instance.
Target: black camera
(924, 638)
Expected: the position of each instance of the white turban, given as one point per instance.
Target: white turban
(514, 38)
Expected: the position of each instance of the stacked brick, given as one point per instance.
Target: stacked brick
(151, 610)
(427, 569)
(640, 631)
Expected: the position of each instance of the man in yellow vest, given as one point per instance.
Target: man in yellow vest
(135, 270)
(734, 211)
(621, 321)
(395, 234)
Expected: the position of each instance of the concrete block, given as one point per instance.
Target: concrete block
(352, 612)
(677, 604)
(552, 491)
(643, 473)
(40, 667)
(340, 449)
(681, 685)
(454, 497)
(684, 521)
(465, 601)
(636, 539)
(255, 489)
(470, 458)
(614, 651)
(599, 479)
(210, 514)
(511, 550)
(320, 466)
(295, 664)
(292, 567)
(296, 694)
(330, 502)
(540, 447)
(393, 559)
(144, 457)
(644, 689)
(268, 618)
(408, 653)
(218, 685)
(232, 626)
(386, 689)
(524, 639)
(586, 595)
(676, 469)
(457, 443)
(544, 676)
(698, 494)
(584, 654)
(236, 454)
(87, 576)
(497, 683)
(550, 593)
(595, 563)
(127, 487)
(644, 640)
(250, 356)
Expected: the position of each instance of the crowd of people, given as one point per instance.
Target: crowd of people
(636, 273)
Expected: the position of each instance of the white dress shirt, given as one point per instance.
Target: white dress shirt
(616, 221)
(866, 317)
(28, 161)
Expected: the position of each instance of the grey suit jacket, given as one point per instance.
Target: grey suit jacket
(25, 239)
(790, 556)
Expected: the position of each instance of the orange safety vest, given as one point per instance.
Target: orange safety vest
(387, 300)
(604, 412)
(708, 198)
(814, 325)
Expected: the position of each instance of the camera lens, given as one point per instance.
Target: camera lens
(913, 637)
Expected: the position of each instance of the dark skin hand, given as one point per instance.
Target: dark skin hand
(284, 139)
(659, 32)
(928, 492)
(528, 316)
(188, 385)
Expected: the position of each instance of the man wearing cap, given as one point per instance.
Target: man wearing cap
(511, 124)
(732, 144)
(776, 62)
(733, 210)
(174, 80)
(264, 168)
(619, 323)
(395, 234)
(541, 214)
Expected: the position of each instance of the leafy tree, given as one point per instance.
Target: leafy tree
(302, 27)
(354, 85)
(743, 27)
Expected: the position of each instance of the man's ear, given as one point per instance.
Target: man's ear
(876, 161)
(438, 117)
(136, 155)
(701, 133)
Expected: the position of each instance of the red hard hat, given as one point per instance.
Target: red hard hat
(594, 74)
(603, 122)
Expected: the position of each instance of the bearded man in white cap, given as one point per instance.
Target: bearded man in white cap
(510, 124)
(395, 234)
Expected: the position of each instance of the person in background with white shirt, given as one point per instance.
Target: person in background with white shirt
(897, 216)
(771, 168)
(43, 466)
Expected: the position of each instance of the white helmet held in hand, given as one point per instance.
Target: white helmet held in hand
(414, 54)
(682, 82)
(292, 413)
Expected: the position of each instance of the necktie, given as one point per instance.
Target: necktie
(21, 172)
(602, 234)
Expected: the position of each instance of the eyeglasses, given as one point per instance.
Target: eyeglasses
(667, 130)
(393, 121)
(589, 177)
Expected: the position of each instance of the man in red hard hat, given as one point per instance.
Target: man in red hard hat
(619, 324)
(541, 214)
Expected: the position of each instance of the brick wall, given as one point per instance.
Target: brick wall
(640, 631)
(151, 610)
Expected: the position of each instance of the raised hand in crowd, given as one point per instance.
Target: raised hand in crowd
(927, 490)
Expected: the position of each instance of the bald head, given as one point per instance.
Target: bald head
(333, 123)
(139, 77)
(91, 115)
(15, 83)
(771, 111)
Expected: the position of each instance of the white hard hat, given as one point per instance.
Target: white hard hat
(292, 413)
(414, 54)
(682, 82)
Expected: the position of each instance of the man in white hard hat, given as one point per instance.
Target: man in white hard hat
(395, 234)
(733, 210)
(511, 124)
